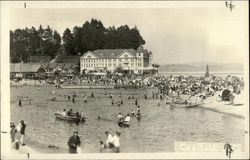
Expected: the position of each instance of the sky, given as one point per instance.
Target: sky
(181, 34)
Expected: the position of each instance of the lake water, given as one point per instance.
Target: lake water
(198, 74)
(157, 130)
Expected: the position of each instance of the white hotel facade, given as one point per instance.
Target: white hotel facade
(130, 60)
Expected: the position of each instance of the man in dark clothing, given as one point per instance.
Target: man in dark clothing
(19, 103)
(136, 102)
(22, 131)
(70, 112)
(74, 142)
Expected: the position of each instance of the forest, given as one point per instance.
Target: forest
(90, 36)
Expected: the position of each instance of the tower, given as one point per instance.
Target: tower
(207, 72)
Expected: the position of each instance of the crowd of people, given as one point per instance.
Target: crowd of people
(17, 134)
(163, 88)
(71, 114)
(112, 143)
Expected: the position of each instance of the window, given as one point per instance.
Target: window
(109, 60)
(120, 60)
(114, 60)
(126, 57)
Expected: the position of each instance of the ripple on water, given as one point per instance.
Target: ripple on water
(157, 131)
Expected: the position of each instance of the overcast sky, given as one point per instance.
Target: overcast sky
(174, 35)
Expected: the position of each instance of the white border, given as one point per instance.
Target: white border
(5, 90)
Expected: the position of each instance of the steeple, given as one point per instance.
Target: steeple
(207, 72)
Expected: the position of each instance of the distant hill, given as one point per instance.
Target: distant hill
(201, 66)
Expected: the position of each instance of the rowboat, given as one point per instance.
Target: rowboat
(123, 124)
(184, 106)
(70, 118)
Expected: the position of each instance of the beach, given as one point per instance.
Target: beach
(157, 131)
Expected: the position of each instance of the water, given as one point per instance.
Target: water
(198, 74)
(157, 130)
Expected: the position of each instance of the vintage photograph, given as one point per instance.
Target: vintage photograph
(130, 77)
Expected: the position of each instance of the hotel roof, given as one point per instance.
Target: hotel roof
(112, 53)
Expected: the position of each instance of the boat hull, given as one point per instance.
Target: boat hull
(70, 119)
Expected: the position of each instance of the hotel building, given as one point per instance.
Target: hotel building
(129, 60)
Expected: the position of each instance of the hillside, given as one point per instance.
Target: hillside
(198, 66)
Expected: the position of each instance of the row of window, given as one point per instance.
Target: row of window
(111, 60)
(108, 65)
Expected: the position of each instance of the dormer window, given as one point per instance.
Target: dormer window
(112, 55)
(101, 55)
(89, 56)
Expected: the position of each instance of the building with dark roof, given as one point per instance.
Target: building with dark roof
(39, 59)
(26, 70)
(129, 60)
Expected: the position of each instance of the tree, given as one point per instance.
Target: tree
(68, 42)
(31, 42)
(77, 41)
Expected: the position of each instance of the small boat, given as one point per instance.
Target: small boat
(70, 118)
(123, 124)
(185, 106)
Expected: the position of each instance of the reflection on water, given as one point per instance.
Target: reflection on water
(156, 131)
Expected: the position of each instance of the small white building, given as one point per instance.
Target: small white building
(128, 60)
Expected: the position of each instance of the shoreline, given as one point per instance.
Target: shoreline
(223, 107)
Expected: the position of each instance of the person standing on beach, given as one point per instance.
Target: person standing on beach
(22, 131)
(13, 131)
(109, 141)
(116, 142)
(74, 142)
(231, 98)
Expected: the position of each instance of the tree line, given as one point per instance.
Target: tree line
(88, 37)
